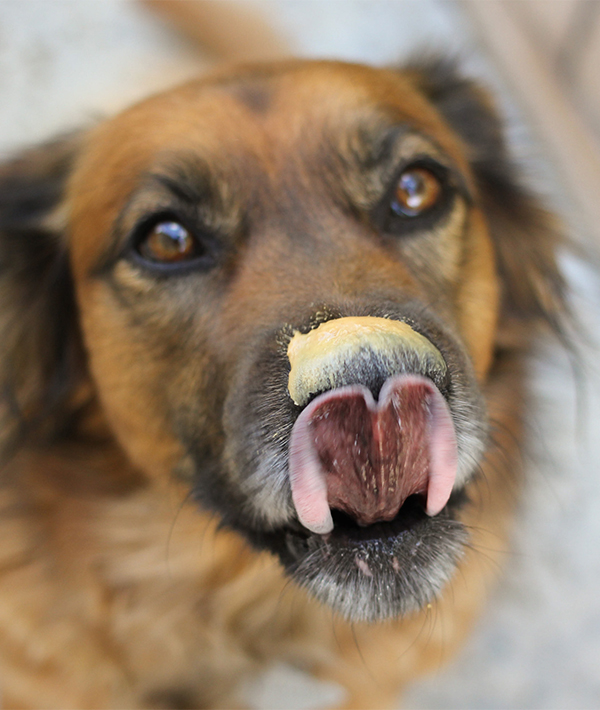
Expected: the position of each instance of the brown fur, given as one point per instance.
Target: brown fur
(117, 590)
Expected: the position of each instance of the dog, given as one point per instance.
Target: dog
(263, 384)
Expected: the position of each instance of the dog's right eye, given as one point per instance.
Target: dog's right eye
(169, 242)
(166, 245)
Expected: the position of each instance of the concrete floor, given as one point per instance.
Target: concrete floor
(63, 63)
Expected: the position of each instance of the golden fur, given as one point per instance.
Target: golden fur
(117, 589)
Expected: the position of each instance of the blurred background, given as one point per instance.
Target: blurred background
(67, 63)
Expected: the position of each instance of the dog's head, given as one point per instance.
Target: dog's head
(284, 284)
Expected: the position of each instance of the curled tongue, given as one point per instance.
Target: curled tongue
(366, 458)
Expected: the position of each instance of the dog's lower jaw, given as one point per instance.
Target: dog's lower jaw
(381, 572)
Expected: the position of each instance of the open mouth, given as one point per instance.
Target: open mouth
(348, 534)
(375, 437)
(366, 458)
(381, 571)
(372, 483)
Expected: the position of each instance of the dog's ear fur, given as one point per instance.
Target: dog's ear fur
(40, 351)
(525, 235)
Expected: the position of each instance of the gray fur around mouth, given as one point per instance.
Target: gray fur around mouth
(380, 577)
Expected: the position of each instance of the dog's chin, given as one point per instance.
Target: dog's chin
(382, 571)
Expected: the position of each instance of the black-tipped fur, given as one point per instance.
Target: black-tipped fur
(525, 235)
(39, 341)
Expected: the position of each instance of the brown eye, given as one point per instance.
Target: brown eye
(417, 191)
(168, 243)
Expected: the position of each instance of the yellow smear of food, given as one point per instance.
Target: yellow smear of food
(315, 356)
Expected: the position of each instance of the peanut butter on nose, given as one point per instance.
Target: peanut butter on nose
(317, 357)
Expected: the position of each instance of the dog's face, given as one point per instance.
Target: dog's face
(318, 219)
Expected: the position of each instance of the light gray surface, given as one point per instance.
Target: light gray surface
(538, 646)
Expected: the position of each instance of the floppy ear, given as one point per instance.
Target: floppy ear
(40, 353)
(525, 235)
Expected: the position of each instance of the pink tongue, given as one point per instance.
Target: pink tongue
(365, 458)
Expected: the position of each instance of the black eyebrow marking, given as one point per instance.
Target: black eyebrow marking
(256, 98)
(189, 180)
(179, 189)
(379, 147)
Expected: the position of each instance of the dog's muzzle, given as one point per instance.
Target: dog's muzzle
(352, 452)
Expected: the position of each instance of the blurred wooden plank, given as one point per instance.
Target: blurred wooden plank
(228, 29)
(588, 75)
(533, 76)
(545, 22)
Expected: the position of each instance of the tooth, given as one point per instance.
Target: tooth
(317, 357)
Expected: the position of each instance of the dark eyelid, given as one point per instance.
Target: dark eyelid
(124, 235)
(452, 185)
(445, 171)
(207, 241)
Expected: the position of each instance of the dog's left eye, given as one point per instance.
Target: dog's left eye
(169, 242)
(417, 190)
